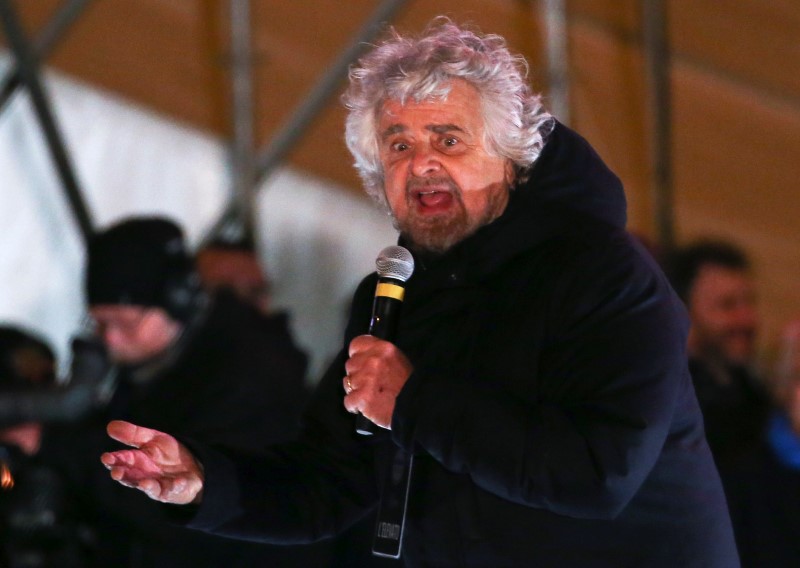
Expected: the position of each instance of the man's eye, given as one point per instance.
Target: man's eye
(451, 141)
(399, 146)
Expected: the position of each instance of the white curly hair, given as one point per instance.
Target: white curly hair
(406, 68)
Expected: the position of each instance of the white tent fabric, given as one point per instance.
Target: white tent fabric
(317, 241)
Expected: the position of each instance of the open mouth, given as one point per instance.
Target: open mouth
(433, 200)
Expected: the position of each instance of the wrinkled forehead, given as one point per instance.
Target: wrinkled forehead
(459, 108)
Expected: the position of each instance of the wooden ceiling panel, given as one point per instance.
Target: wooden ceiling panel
(620, 17)
(735, 152)
(608, 108)
(756, 41)
(753, 40)
(148, 51)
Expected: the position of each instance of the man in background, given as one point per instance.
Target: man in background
(715, 281)
(205, 364)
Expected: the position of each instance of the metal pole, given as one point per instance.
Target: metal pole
(322, 91)
(300, 120)
(28, 66)
(243, 155)
(660, 103)
(43, 44)
(557, 47)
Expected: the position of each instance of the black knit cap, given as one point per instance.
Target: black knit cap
(139, 262)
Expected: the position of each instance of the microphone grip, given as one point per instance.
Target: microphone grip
(383, 325)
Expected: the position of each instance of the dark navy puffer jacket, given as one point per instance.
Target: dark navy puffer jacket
(550, 411)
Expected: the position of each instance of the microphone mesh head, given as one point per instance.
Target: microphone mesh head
(395, 262)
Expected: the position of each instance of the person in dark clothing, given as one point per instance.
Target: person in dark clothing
(538, 376)
(41, 522)
(714, 279)
(206, 365)
(763, 486)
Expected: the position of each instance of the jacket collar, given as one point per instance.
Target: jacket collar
(568, 190)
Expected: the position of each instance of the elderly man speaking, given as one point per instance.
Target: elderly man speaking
(538, 376)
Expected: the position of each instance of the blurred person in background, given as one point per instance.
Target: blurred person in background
(715, 281)
(42, 521)
(763, 487)
(234, 265)
(170, 337)
(205, 364)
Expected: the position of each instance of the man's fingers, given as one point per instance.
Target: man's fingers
(351, 403)
(362, 343)
(117, 474)
(120, 474)
(151, 487)
(155, 488)
(108, 459)
(166, 489)
(355, 402)
(130, 434)
(120, 458)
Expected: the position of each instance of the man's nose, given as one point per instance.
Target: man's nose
(425, 161)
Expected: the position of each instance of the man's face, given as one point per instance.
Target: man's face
(723, 311)
(134, 334)
(440, 181)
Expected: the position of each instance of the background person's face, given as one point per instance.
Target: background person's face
(440, 182)
(722, 308)
(134, 334)
(237, 270)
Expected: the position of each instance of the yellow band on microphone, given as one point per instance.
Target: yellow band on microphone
(390, 291)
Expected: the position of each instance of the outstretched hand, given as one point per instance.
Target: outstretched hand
(160, 466)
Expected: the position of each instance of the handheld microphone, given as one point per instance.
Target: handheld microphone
(394, 266)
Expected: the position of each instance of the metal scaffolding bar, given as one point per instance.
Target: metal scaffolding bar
(554, 14)
(274, 152)
(299, 122)
(657, 58)
(243, 150)
(43, 44)
(28, 66)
